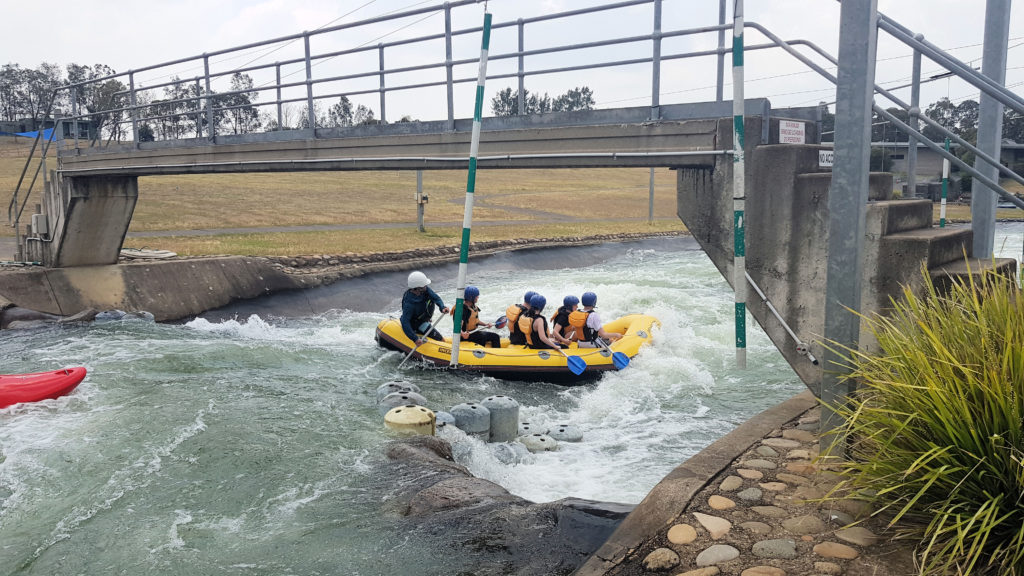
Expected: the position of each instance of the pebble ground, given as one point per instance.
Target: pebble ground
(767, 515)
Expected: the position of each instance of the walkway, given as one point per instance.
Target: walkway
(752, 504)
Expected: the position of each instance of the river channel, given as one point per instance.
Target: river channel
(247, 441)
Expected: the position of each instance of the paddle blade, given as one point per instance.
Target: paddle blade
(620, 360)
(501, 322)
(576, 364)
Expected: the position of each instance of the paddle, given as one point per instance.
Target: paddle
(429, 330)
(576, 364)
(619, 359)
(499, 324)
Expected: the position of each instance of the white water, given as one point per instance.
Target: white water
(248, 442)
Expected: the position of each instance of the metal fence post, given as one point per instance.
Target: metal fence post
(134, 111)
(656, 63)
(211, 126)
(419, 201)
(74, 114)
(719, 86)
(199, 114)
(990, 127)
(521, 100)
(448, 64)
(650, 199)
(380, 58)
(847, 202)
(739, 198)
(310, 111)
(280, 117)
(915, 109)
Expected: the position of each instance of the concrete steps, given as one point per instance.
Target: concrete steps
(811, 184)
(892, 216)
(933, 246)
(943, 276)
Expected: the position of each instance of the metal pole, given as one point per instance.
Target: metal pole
(650, 199)
(199, 114)
(945, 188)
(521, 101)
(74, 114)
(467, 218)
(847, 201)
(990, 127)
(915, 101)
(739, 279)
(721, 55)
(135, 111)
(656, 64)
(419, 201)
(448, 64)
(210, 125)
(310, 112)
(280, 117)
(380, 59)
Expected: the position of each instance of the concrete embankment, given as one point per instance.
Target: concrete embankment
(179, 288)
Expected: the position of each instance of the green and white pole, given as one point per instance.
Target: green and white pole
(945, 188)
(739, 278)
(467, 218)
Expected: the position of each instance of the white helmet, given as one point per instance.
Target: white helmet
(418, 280)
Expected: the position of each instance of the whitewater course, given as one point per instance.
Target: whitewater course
(248, 440)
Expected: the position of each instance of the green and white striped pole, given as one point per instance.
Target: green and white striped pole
(945, 188)
(467, 218)
(739, 278)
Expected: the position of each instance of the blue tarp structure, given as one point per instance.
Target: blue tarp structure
(47, 134)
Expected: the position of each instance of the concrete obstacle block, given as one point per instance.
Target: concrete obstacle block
(411, 419)
(400, 399)
(566, 433)
(525, 429)
(539, 443)
(504, 418)
(473, 419)
(444, 419)
(510, 453)
(398, 386)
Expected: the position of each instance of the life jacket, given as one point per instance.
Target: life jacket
(474, 317)
(524, 325)
(424, 317)
(512, 313)
(561, 318)
(578, 320)
(533, 339)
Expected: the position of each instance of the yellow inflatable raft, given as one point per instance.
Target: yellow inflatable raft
(521, 363)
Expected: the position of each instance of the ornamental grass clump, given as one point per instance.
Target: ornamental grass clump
(935, 431)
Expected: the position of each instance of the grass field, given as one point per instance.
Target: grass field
(532, 202)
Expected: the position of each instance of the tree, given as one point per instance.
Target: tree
(340, 114)
(10, 81)
(363, 115)
(36, 88)
(828, 124)
(1013, 126)
(575, 99)
(146, 133)
(99, 99)
(506, 103)
(240, 113)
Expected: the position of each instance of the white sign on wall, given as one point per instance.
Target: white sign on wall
(791, 132)
(825, 158)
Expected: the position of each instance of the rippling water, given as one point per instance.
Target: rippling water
(247, 441)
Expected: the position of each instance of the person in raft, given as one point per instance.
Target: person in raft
(471, 321)
(587, 323)
(535, 326)
(561, 331)
(515, 336)
(418, 309)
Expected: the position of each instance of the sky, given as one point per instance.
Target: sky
(135, 34)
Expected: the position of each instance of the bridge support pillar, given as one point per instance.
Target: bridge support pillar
(87, 217)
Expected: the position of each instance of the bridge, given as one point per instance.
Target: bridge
(818, 238)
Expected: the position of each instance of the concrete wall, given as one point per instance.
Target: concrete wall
(169, 290)
(786, 239)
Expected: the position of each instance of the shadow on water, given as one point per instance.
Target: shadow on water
(382, 292)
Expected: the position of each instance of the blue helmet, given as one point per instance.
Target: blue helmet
(529, 296)
(538, 302)
(589, 299)
(472, 293)
(570, 301)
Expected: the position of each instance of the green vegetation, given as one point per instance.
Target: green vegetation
(936, 430)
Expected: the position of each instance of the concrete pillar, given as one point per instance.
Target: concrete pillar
(89, 217)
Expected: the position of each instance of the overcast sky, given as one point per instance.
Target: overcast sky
(133, 34)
